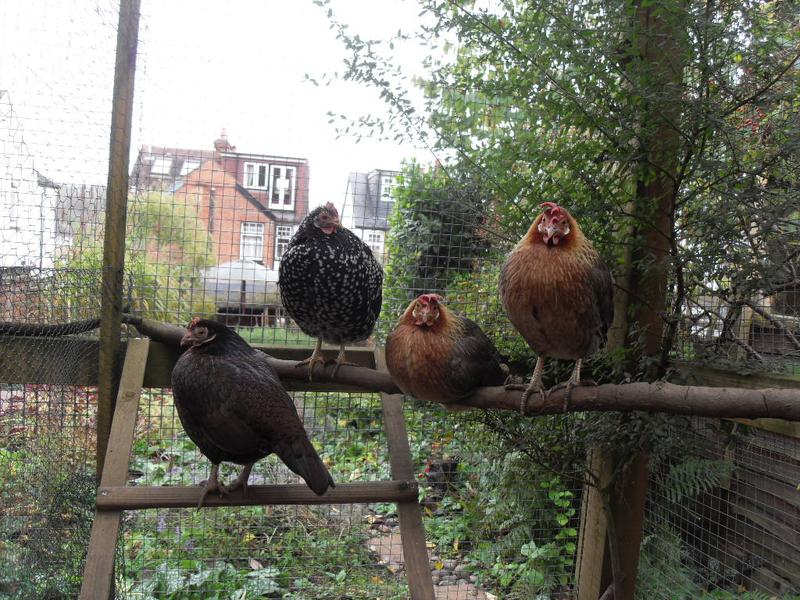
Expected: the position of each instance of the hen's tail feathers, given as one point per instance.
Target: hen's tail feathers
(301, 457)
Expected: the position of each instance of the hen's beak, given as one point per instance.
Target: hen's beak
(425, 315)
(332, 226)
(187, 339)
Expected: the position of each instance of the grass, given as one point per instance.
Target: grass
(273, 335)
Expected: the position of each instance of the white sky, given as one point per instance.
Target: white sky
(203, 65)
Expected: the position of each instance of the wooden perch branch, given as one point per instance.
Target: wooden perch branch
(648, 397)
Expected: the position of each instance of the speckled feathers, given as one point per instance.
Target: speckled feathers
(330, 284)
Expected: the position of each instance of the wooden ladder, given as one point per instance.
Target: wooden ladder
(113, 496)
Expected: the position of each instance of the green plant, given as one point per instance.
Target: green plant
(164, 253)
(433, 208)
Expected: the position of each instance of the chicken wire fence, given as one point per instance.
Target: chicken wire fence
(207, 224)
(734, 527)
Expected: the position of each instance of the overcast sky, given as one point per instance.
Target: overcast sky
(203, 65)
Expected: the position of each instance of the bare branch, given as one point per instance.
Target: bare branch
(648, 397)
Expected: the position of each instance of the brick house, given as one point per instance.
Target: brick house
(251, 204)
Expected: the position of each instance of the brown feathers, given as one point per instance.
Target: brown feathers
(557, 294)
(436, 355)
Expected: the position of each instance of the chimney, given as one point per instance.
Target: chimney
(221, 144)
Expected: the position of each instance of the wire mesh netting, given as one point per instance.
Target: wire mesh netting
(344, 551)
(225, 163)
(724, 516)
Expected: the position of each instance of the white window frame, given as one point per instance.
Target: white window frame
(376, 240)
(283, 234)
(162, 165)
(252, 234)
(388, 185)
(259, 172)
(188, 166)
(282, 202)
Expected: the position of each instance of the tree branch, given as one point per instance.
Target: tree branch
(649, 397)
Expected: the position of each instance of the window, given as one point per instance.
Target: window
(283, 234)
(374, 239)
(255, 175)
(252, 243)
(388, 183)
(189, 166)
(161, 165)
(281, 191)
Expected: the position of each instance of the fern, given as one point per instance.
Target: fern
(695, 476)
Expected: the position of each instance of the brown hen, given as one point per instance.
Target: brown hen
(436, 355)
(558, 294)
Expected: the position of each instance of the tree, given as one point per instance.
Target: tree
(435, 232)
(164, 253)
(606, 108)
(669, 129)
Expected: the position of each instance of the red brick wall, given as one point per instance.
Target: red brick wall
(224, 217)
(234, 165)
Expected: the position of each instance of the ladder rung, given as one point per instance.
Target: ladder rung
(138, 497)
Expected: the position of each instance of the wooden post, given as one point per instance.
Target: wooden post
(116, 211)
(98, 574)
(592, 567)
(627, 506)
(626, 492)
(412, 531)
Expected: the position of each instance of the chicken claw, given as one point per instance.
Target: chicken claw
(240, 481)
(341, 361)
(313, 360)
(534, 386)
(573, 382)
(212, 485)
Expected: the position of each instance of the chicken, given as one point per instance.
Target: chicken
(330, 283)
(232, 405)
(558, 294)
(436, 355)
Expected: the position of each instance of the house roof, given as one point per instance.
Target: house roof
(174, 163)
(212, 174)
(363, 201)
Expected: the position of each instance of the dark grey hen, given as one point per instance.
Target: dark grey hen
(330, 283)
(233, 406)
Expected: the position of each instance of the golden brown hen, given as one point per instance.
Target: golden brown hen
(558, 294)
(436, 355)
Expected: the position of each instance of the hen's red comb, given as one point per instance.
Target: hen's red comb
(431, 299)
(194, 322)
(552, 209)
(331, 209)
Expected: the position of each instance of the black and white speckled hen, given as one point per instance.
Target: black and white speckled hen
(330, 283)
(233, 406)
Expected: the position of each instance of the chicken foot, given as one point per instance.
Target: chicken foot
(240, 481)
(573, 382)
(212, 485)
(341, 361)
(534, 386)
(313, 360)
